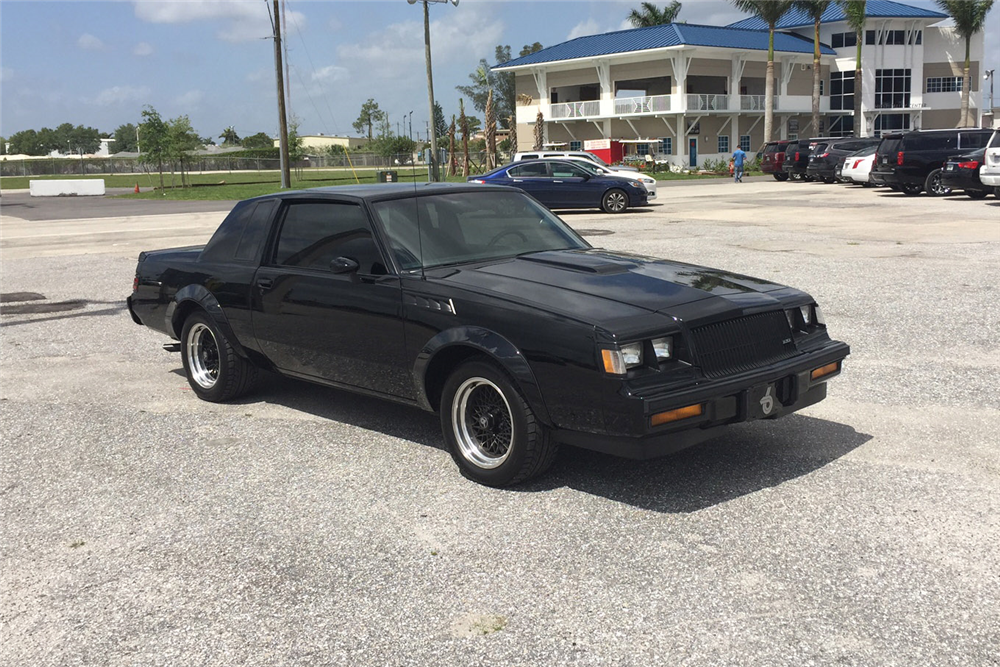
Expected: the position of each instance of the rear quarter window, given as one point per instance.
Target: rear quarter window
(222, 246)
(995, 140)
(930, 142)
(972, 140)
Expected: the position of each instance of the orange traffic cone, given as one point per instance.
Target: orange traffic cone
(137, 188)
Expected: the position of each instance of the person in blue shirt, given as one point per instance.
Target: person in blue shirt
(738, 158)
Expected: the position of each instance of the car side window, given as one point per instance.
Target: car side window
(567, 171)
(529, 171)
(972, 140)
(529, 157)
(313, 234)
(255, 232)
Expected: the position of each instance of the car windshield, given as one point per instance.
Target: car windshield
(459, 228)
(591, 168)
(594, 158)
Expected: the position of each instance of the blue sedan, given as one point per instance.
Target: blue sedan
(564, 184)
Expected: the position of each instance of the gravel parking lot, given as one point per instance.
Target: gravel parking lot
(305, 525)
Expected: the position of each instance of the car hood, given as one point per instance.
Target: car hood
(597, 285)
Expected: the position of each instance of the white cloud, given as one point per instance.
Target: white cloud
(88, 42)
(120, 95)
(397, 51)
(6, 74)
(331, 73)
(244, 21)
(190, 100)
(588, 27)
(142, 49)
(335, 24)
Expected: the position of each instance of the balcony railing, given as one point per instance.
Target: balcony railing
(575, 109)
(625, 106)
(708, 102)
(755, 102)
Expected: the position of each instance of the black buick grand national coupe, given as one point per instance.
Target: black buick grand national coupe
(479, 303)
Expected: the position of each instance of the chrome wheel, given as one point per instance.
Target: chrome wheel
(482, 421)
(615, 201)
(203, 355)
(934, 185)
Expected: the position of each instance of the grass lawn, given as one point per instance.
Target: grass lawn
(244, 184)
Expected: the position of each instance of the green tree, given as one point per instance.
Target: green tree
(229, 137)
(528, 49)
(125, 138)
(815, 9)
(651, 15)
(770, 11)
(259, 140)
(181, 140)
(854, 12)
(969, 17)
(155, 140)
(369, 117)
(27, 142)
(3, 146)
(440, 126)
(296, 147)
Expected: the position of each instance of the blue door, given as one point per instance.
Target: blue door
(692, 152)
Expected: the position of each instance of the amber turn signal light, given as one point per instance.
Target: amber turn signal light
(676, 415)
(825, 370)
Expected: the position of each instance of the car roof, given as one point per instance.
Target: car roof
(379, 191)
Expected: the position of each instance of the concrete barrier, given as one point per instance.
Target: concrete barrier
(60, 188)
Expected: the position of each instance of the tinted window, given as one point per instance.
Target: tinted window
(995, 141)
(255, 232)
(564, 170)
(773, 148)
(313, 234)
(972, 139)
(930, 142)
(467, 227)
(530, 156)
(529, 170)
(222, 246)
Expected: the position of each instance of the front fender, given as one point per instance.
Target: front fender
(199, 296)
(482, 341)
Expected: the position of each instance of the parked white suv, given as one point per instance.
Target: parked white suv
(989, 173)
(583, 155)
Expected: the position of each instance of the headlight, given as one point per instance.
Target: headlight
(648, 180)
(632, 354)
(635, 184)
(807, 315)
(663, 347)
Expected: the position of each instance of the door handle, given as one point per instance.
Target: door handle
(265, 283)
(517, 180)
(557, 181)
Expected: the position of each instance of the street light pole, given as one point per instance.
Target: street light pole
(989, 75)
(432, 133)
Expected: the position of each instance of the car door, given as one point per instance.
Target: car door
(573, 187)
(312, 321)
(533, 178)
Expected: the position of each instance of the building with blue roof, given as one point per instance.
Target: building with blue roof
(685, 93)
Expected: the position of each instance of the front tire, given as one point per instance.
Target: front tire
(934, 186)
(214, 370)
(614, 201)
(490, 429)
(780, 177)
(911, 189)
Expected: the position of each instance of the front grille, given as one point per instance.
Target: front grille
(735, 346)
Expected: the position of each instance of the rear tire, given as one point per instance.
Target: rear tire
(491, 431)
(614, 201)
(214, 370)
(829, 181)
(911, 189)
(934, 186)
(780, 177)
(976, 194)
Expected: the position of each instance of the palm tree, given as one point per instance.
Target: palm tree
(854, 12)
(651, 15)
(539, 132)
(769, 11)
(452, 163)
(815, 9)
(463, 126)
(491, 134)
(969, 17)
(229, 136)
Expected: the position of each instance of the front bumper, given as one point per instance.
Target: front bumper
(726, 401)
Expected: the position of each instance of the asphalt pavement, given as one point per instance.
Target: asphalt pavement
(309, 526)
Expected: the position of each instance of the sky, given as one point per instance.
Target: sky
(99, 63)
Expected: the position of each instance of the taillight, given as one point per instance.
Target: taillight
(974, 164)
(824, 155)
(135, 283)
(796, 156)
(899, 158)
(856, 163)
(477, 180)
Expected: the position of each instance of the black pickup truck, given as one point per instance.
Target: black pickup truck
(477, 302)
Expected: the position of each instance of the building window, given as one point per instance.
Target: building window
(576, 145)
(642, 149)
(870, 37)
(745, 143)
(842, 40)
(892, 89)
(792, 136)
(944, 84)
(841, 126)
(891, 121)
(841, 91)
(667, 145)
(821, 82)
(723, 143)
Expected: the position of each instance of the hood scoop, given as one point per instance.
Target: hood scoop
(584, 262)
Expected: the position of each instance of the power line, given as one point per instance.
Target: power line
(326, 99)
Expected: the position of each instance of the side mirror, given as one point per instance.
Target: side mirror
(344, 265)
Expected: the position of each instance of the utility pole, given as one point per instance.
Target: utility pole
(432, 133)
(286, 176)
(288, 77)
